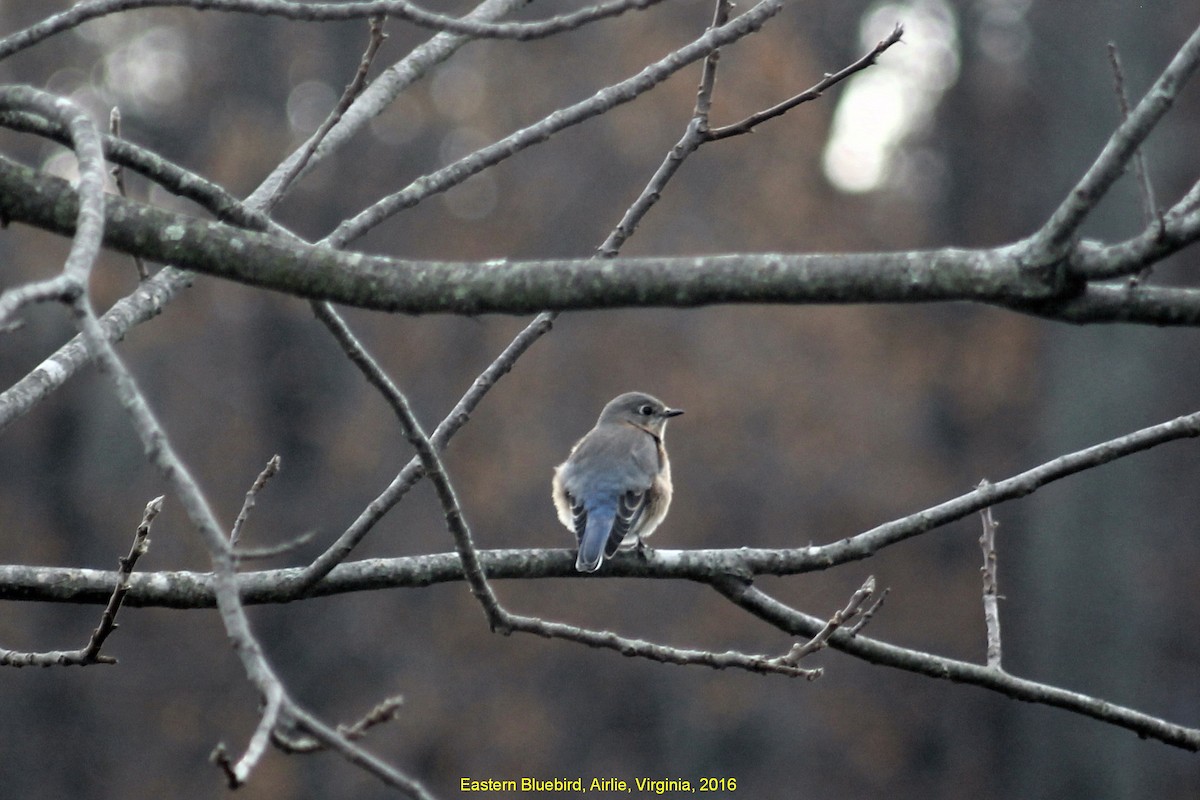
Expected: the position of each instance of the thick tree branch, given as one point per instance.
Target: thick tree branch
(996, 276)
(516, 287)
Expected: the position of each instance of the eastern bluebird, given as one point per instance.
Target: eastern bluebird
(615, 486)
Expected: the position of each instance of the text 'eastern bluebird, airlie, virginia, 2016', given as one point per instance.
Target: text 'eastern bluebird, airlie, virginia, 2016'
(615, 486)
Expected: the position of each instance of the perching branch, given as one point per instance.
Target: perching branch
(195, 590)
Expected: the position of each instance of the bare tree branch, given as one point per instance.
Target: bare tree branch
(883, 654)
(378, 96)
(118, 176)
(639, 648)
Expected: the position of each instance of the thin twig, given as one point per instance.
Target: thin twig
(638, 648)
(821, 639)
(236, 773)
(991, 595)
(268, 472)
(1149, 206)
(275, 550)
(748, 124)
(386, 711)
(334, 741)
(349, 94)
(869, 613)
(708, 73)
(694, 135)
(118, 175)
(1048, 244)
(108, 620)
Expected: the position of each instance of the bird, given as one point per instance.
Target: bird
(615, 486)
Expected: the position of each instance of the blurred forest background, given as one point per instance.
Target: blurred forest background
(803, 424)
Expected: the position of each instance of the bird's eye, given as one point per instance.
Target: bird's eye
(646, 410)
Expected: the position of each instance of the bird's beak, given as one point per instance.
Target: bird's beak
(672, 412)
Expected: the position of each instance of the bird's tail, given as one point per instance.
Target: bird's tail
(595, 537)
